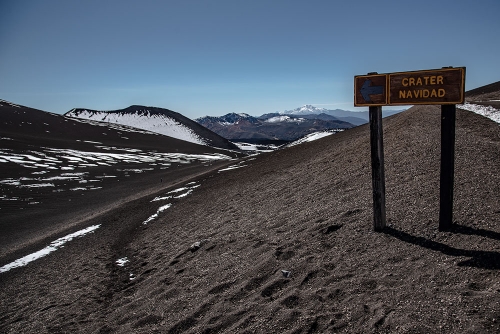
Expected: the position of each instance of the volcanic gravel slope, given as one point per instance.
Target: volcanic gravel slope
(213, 262)
(56, 172)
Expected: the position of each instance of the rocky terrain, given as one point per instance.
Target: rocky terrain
(283, 243)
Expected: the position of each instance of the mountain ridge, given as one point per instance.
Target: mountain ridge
(306, 120)
(272, 127)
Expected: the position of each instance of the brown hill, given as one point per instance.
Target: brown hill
(306, 211)
(484, 93)
(488, 95)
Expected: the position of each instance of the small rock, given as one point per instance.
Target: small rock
(197, 245)
(286, 273)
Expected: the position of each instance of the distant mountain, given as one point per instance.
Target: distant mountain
(158, 120)
(354, 117)
(305, 110)
(270, 127)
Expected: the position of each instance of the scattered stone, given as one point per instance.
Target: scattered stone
(197, 245)
(286, 273)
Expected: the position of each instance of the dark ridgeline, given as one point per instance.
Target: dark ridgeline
(45, 128)
(488, 95)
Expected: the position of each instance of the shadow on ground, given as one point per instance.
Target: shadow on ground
(478, 258)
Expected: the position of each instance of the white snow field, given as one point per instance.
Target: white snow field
(72, 166)
(143, 119)
(257, 148)
(486, 111)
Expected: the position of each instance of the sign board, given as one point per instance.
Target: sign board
(443, 86)
(370, 90)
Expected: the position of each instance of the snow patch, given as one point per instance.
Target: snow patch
(121, 262)
(312, 137)
(3, 102)
(238, 165)
(154, 216)
(486, 111)
(278, 119)
(55, 245)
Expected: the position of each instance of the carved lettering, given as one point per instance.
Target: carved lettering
(423, 81)
(421, 93)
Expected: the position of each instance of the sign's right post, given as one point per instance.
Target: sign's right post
(448, 115)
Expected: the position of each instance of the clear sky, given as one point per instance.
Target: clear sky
(212, 57)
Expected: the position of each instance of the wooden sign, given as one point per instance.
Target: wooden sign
(370, 90)
(443, 86)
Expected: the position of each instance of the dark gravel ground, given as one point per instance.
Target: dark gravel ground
(41, 214)
(306, 210)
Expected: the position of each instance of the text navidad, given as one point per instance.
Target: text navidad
(421, 87)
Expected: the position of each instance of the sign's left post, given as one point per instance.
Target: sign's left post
(371, 90)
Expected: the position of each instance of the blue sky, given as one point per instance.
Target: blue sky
(214, 57)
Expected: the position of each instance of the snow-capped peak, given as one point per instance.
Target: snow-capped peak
(306, 109)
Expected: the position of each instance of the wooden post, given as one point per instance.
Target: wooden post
(448, 113)
(378, 175)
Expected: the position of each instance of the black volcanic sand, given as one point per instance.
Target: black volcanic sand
(306, 210)
(58, 211)
(27, 228)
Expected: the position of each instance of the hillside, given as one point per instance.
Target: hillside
(284, 244)
(484, 100)
(484, 93)
(56, 172)
(158, 120)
